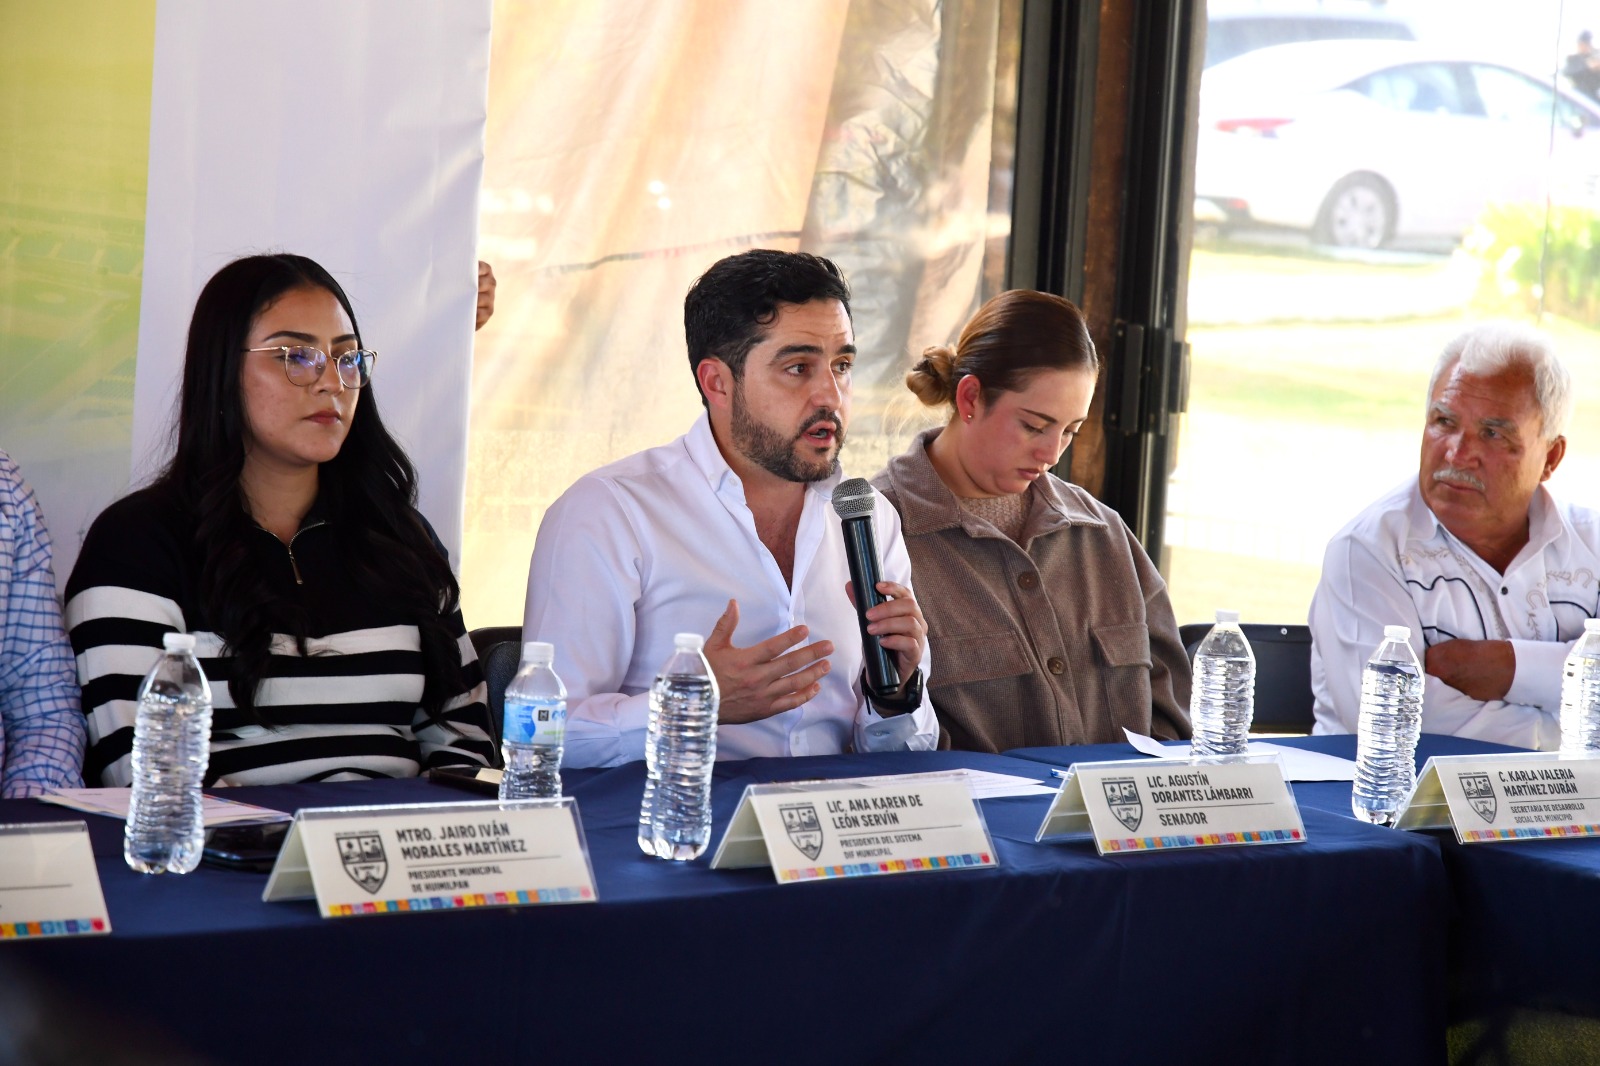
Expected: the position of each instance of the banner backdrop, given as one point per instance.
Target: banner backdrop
(349, 132)
(74, 142)
(145, 143)
(633, 143)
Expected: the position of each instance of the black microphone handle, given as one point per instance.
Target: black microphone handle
(861, 549)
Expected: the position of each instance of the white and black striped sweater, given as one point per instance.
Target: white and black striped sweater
(347, 709)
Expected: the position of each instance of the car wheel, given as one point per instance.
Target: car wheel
(1358, 213)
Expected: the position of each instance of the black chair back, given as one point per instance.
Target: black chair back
(1284, 703)
(499, 667)
(487, 637)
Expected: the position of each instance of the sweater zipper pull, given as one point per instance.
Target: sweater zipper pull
(293, 565)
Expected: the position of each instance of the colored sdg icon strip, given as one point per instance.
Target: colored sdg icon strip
(60, 927)
(896, 866)
(448, 903)
(1530, 832)
(1270, 836)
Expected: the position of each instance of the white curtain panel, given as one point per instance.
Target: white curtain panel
(347, 131)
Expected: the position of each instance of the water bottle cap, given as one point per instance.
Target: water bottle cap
(1397, 633)
(538, 652)
(688, 641)
(178, 642)
(1228, 618)
(1591, 625)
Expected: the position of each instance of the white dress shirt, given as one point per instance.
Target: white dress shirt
(657, 544)
(1396, 564)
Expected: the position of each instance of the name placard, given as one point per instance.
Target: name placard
(1204, 802)
(1515, 796)
(818, 830)
(433, 857)
(48, 882)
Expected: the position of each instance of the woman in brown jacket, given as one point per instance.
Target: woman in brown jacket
(1048, 623)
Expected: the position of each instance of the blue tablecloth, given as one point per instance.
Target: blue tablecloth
(1225, 955)
(1522, 935)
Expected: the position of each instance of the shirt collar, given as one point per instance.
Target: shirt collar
(317, 515)
(1544, 522)
(927, 505)
(701, 444)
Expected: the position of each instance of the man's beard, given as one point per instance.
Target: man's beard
(774, 453)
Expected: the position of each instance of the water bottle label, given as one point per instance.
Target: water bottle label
(535, 723)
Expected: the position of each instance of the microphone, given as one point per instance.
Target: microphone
(854, 501)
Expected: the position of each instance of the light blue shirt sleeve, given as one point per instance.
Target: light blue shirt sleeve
(42, 739)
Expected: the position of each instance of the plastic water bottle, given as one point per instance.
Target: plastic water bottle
(680, 749)
(1391, 718)
(1580, 694)
(171, 749)
(535, 730)
(1224, 691)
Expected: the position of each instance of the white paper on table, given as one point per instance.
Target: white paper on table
(113, 803)
(1298, 764)
(985, 784)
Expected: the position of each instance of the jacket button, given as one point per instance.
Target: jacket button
(1028, 580)
(1055, 665)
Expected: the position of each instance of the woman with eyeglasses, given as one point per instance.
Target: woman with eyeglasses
(284, 535)
(1048, 623)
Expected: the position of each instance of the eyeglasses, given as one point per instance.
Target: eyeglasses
(304, 365)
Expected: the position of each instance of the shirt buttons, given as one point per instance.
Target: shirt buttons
(1029, 580)
(1055, 665)
(1504, 591)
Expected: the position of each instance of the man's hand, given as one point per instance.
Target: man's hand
(898, 625)
(763, 680)
(485, 293)
(1482, 669)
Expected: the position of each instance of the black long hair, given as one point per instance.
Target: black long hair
(369, 490)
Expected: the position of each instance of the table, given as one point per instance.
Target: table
(1521, 938)
(1219, 956)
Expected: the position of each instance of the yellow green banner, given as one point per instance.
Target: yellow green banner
(75, 78)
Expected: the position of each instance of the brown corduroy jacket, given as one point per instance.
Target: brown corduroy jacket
(1063, 638)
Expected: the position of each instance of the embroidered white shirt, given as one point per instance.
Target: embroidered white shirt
(1396, 564)
(657, 544)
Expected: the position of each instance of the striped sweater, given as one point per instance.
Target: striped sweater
(349, 708)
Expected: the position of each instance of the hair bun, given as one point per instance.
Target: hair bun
(933, 377)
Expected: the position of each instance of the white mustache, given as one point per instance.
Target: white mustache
(1459, 477)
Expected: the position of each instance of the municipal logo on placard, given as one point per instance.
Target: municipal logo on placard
(363, 859)
(805, 831)
(1479, 793)
(1122, 796)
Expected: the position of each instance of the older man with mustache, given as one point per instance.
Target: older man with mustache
(1494, 576)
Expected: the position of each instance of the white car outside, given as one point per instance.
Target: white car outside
(1367, 142)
